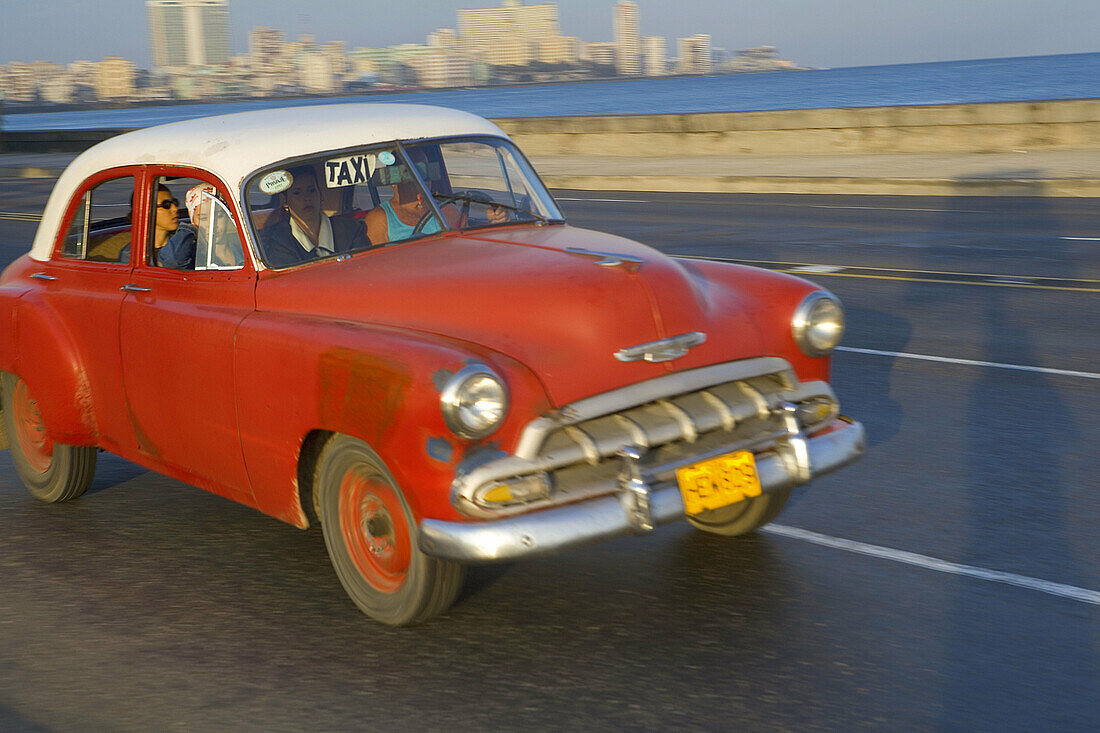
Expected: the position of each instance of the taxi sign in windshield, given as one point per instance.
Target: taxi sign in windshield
(349, 170)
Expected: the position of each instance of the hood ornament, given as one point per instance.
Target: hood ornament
(664, 350)
(609, 259)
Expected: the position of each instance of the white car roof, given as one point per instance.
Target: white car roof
(234, 146)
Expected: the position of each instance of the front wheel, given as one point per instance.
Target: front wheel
(371, 537)
(52, 472)
(742, 517)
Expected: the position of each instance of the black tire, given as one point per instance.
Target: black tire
(52, 472)
(742, 517)
(371, 536)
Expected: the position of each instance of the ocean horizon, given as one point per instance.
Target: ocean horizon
(1015, 79)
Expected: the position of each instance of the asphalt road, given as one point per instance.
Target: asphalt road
(949, 581)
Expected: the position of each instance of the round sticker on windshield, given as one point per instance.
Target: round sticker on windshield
(386, 158)
(276, 182)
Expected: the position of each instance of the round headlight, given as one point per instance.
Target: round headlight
(474, 401)
(818, 324)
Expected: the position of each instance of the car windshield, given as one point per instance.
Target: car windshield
(382, 195)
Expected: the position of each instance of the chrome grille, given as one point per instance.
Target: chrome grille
(675, 416)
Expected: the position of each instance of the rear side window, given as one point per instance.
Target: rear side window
(191, 227)
(102, 225)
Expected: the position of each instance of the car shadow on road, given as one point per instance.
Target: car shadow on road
(1016, 504)
(112, 471)
(868, 395)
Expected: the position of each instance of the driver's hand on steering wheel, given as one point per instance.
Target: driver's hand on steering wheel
(496, 215)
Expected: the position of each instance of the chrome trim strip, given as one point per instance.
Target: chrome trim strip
(605, 517)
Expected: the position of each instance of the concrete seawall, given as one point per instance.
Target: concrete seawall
(964, 128)
(1047, 148)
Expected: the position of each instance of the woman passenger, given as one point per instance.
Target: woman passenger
(307, 233)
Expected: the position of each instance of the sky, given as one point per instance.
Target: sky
(819, 33)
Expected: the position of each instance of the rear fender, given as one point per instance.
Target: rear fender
(9, 299)
(42, 353)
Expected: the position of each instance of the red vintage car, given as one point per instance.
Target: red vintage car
(374, 318)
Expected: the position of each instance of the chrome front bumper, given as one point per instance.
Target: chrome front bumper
(647, 496)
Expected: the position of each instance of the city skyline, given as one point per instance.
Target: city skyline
(848, 33)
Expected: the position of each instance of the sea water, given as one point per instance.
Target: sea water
(1071, 76)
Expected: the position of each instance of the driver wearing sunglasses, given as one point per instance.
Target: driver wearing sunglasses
(174, 244)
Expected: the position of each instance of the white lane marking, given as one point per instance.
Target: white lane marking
(890, 208)
(616, 201)
(792, 265)
(1082, 239)
(972, 362)
(932, 563)
(817, 268)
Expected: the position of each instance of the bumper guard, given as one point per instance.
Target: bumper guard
(646, 497)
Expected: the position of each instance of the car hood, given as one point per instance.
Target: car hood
(520, 292)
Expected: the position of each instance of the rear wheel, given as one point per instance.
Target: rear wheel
(744, 516)
(52, 471)
(371, 537)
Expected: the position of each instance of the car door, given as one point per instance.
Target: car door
(82, 286)
(177, 330)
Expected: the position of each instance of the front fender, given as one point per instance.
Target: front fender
(770, 299)
(298, 374)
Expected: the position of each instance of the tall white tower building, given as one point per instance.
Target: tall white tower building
(189, 32)
(654, 48)
(627, 40)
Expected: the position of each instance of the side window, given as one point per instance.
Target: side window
(101, 227)
(217, 246)
(191, 227)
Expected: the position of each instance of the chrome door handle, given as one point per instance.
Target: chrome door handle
(42, 276)
(131, 288)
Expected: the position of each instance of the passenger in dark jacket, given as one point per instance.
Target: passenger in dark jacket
(308, 233)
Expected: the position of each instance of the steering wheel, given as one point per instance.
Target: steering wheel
(419, 228)
(469, 196)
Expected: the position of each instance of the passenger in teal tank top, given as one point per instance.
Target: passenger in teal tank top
(395, 220)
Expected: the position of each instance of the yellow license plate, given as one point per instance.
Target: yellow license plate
(718, 482)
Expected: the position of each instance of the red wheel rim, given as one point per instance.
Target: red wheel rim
(376, 534)
(30, 432)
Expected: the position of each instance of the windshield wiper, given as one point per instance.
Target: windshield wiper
(489, 203)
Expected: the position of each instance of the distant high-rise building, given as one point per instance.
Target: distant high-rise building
(442, 68)
(694, 54)
(189, 32)
(442, 38)
(654, 50)
(114, 78)
(265, 48)
(627, 44)
(559, 50)
(598, 52)
(508, 35)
